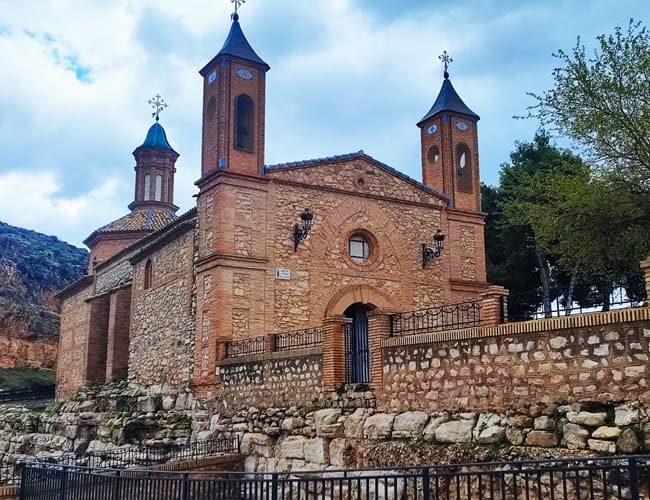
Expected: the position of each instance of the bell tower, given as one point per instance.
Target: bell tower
(449, 141)
(234, 92)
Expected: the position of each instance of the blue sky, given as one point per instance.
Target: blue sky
(345, 75)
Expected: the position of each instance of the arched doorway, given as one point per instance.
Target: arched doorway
(357, 351)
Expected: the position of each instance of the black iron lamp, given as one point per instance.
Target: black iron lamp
(428, 253)
(301, 231)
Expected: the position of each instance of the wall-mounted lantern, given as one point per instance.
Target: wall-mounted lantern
(301, 231)
(429, 253)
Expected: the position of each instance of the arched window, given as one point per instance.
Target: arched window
(147, 274)
(147, 187)
(464, 171)
(244, 116)
(158, 193)
(433, 154)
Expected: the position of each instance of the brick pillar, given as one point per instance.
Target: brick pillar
(221, 349)
(378, 329)
(334, 351)
(645, 266)
(493, 306)
(117, 357)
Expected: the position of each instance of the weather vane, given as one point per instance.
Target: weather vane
(447, 60)
(238, 4)
(158, 104)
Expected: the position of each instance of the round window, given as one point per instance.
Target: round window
(358, 248)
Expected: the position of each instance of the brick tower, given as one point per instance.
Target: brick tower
(449, 142)
(232, 203)
(153, 203)
(234, 88)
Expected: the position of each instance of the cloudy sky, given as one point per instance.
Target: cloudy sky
(75, 77)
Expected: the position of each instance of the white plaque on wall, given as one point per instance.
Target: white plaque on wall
(283, 274)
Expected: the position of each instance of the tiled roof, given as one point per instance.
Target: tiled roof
(138, 220)
(349, 156)
(448, 100)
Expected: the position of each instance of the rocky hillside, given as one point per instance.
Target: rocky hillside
(33, 267)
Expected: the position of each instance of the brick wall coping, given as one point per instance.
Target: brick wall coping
(524, 327)
(8, 492)
(270, 356)
(198, 463)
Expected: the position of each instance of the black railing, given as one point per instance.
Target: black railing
(435, 319)
(581, 298)
(585, 478)
(39, 392)
(298, 339)
(237, 348)
(122, 458)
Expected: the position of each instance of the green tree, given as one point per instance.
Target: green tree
(603, 103)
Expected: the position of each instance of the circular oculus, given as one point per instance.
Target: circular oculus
(432, 129)
(461, 126)
(244, 74)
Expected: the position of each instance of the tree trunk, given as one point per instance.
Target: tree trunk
(572, 285)
(607, 296)
(545, 279)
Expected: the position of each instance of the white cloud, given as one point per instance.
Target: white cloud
(35, 200)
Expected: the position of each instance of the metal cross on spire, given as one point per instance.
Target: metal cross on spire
(446, 60)
(238, 4)
(158, 104)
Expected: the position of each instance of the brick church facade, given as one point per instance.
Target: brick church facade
(314, 244)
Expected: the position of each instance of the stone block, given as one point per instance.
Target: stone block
(250, 464)
(353, 425)
(168, 403)
(429, 431)
(291, 447)
(490, 435)
(515, 435)
(544, 423)
(628, 442)
(520, 421)
(543, 439)
(587, 418)
(147, 404)
(601, 446)
(575, 436)
(626, 414)
(338, 452)
(378, 426)
(455, 431)
(316, 451)
(327, 416)
(252, 442)
(409, 424)
(606, 432)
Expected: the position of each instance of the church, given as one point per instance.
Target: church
(287, 251)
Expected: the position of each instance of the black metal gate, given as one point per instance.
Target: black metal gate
(357, 353)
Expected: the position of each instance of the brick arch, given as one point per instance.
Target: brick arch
(353, 294)
(331, 227)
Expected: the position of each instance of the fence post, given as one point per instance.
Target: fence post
(274, 486)
(492, 310)
(426, 492)
(23, 482)
(63, 484)
(634, 478)
(645, 267)
(186, 487)
(116, 485)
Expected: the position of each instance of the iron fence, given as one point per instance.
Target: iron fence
(434, 319)
(586, 478)
(39, 392)
(357, 352)
(144, 456)
(237, 348)
(578, 299)
(298, 339)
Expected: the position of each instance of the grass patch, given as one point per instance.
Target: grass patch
(12, 379)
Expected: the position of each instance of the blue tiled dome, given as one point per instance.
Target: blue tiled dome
(156, 138)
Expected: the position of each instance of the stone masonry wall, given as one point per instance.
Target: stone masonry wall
(161, 350)
(294, 378)
(603, 364)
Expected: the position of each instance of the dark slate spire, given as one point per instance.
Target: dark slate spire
(237, 46)
(156, 138)
(448, 100)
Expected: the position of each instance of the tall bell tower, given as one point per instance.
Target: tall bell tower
(234, 93)
(449, 139)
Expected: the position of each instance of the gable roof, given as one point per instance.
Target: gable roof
(352, 156)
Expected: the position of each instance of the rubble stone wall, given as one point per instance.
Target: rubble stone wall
(601, 363)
